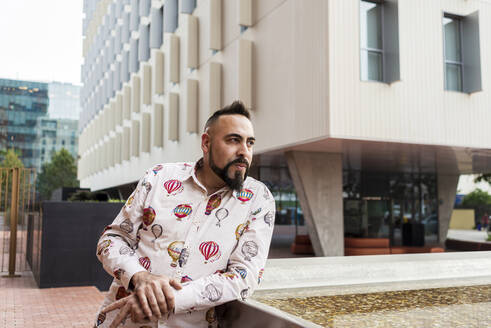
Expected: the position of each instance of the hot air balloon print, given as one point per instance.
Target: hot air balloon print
(221, 214)
(174, 249)
(245, 195)
(181, 211)
(126, 226)
(125, 250)
(210, 251)
(145, 262)
(241, 228)
(260, 275)
(104, 247)
(229, 275)
(243, 293)
(129, 201)
(183, 257)
(256, 211)
(249, 249)
(148, 215)
(173, 187)
(212, 293)
(268, 218)
(213, 203)
(157, 168)
(186, 279)
(241, 271)
(156, 231)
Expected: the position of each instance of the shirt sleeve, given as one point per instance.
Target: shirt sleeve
(245, 268)
(117, 244)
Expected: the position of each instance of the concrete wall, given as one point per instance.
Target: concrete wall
(318, 180)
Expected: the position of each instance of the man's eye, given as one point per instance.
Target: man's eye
(250, 143)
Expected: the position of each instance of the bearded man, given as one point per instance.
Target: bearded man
(191, 236)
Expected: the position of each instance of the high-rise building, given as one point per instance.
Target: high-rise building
(64, 101)
(22, 103)
(365, 112)
(38, 119)
(53, 135)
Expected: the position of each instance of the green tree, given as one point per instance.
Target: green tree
(478, 200)
(60, 172)
(10, 159)
(483, 177)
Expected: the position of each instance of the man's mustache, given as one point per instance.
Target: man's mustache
(239, 160)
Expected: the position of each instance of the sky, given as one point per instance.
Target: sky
(41, 40)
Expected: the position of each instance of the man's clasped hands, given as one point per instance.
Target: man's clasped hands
(152, 299)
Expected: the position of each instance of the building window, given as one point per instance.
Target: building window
(452, 28)
(379, 41)
(372, 52)
(462, 57)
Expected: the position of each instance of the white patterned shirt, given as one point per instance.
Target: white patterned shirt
(216, 245)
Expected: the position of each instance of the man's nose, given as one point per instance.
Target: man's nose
(243, 150)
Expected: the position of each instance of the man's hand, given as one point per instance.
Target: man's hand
(155, 293)
(128, 305)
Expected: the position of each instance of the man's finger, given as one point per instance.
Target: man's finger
(115, 305)
(121, 316)
(169, 296)
(161, 302)
(153, 305)
(142, 297)
(175, 283)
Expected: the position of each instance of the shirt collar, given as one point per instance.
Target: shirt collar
(190, 173)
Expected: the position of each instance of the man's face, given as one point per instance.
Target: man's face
(229, 150)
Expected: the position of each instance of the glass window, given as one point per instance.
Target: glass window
(453, 53)
(371, 40)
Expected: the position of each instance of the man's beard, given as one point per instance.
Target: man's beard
(236, 183)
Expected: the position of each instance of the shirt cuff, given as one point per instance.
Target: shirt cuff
(130, 268)
(184, 299)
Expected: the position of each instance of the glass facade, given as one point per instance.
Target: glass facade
(21, 104)
(400, 206)
(55, 134)
(279, 182)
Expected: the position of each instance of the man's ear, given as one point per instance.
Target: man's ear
(205, 142)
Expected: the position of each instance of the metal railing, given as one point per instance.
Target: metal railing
(17, 196)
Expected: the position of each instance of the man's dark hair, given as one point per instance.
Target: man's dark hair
(235, 108)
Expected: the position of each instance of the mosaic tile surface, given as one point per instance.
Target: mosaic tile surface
(438, 307)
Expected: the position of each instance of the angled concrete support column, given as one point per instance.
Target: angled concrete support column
(447, 188)
(318, 180)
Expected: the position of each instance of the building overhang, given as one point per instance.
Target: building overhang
(390, 156)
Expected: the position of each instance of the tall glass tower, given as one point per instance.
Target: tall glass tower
(21, 104)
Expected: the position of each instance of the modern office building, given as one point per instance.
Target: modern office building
(53, 135)
(365, 112)
(22, 103)
(64, 101)
(38, 119)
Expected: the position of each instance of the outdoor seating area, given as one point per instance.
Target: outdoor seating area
(365, 246)
(380, 246)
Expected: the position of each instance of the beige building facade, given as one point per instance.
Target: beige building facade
(377, 92)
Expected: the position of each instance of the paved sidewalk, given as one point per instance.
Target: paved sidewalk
(467, 235)
(23, 304)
